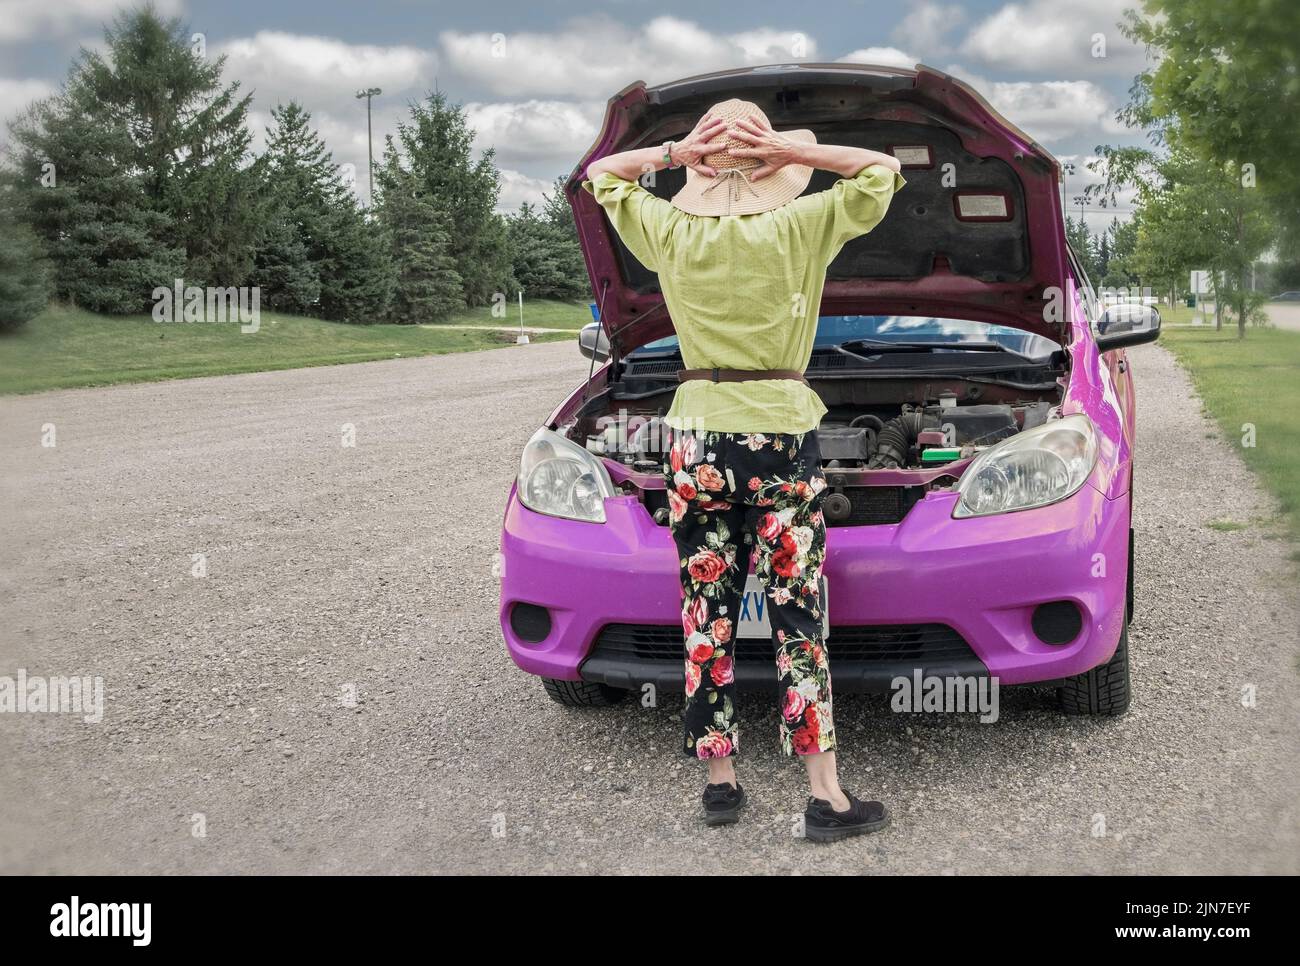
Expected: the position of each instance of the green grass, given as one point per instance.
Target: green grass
(544, 314)
(64, 348)
(1227, 526)
(1254, 381)
(1179, 314)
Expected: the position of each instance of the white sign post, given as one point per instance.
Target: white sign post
(1199, 283)
(522, 338)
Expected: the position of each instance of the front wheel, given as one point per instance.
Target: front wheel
(1104, 690)
(582, 694)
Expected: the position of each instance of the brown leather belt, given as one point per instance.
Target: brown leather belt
(739, 375)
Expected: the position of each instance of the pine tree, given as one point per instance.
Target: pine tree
(1123, 244)
(318, 253)
(556, 208)
(358, 277)
(300, 190)
(544, 261)
(1084, 245)
(428, 286)
(559, 215)
(137, 172)
(189, 138)
(435, 146)
(109, 248)
(288, 280)
(24, 274)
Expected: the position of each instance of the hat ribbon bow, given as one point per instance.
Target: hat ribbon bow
(734, 176)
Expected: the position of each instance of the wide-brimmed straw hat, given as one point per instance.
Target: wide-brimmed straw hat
(731, 192)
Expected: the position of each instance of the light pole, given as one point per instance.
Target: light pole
(1067, 170)
(368, 93)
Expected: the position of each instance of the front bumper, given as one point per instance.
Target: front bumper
(950, 597)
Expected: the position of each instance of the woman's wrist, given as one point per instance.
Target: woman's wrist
(628, 165)
(805, 154)
(842, 159)
(885, 161)
(838, 158)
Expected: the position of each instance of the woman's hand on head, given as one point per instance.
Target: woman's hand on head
(706, 138)
(765, 144)
(630, 165)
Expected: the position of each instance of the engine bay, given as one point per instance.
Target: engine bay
(879, 457)
(928, 435)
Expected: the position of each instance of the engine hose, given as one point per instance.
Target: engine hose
(894, 441)
(875, 421)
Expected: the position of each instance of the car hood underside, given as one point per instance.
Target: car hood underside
(976, 233)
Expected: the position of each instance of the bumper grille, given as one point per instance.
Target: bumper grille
(871, 505)
(877, 505)
(884, 642)
(863, 658)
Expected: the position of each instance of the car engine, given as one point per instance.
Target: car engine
(924, 435)
(913, 436)
(878, 458)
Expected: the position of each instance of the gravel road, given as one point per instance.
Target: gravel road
(336, 570)
(1285, 315)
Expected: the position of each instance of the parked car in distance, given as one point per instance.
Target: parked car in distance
(1109, 297)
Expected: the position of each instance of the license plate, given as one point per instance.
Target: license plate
(754, 623)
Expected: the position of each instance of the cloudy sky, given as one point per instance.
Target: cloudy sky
(534, 77)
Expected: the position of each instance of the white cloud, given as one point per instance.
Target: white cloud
(1054, 110)
(880, 56)
(16, 95)
(47, 19)
(1045, 35)
(600, 54)
(324, 74)
(517, 188)
(530, 131)
(283, 66)
(1048, 111)
(926, 28)
(768, 46)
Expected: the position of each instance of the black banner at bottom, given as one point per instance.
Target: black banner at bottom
(344, 915)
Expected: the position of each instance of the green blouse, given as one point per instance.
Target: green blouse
(744, 291)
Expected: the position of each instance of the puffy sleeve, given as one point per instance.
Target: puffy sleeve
(849, 208)
(639, 217)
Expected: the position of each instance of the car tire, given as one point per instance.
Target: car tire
(582, 694)
(1103, 691)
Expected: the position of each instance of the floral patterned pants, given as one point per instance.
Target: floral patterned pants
(729, 494)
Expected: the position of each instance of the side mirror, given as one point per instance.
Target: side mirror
(1124, 325)
(593, 343)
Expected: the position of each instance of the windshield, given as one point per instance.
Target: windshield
(833, 330)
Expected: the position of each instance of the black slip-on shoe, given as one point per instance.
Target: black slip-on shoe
(823, 824)
(722, 803)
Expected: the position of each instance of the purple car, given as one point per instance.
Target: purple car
(978, 444)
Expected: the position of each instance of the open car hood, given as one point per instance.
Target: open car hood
(976, 233)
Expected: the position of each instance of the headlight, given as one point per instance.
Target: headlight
(1040, 466)
(559, 477)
